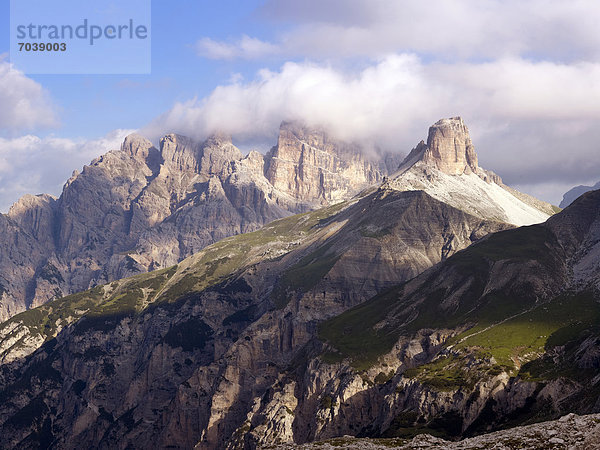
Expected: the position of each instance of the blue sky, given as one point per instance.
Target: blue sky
(522, 73)
(92, 105)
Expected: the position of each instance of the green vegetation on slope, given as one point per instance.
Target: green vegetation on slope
(353, 334)
(227, 257)
(102, 307)
(304, 275)
(526, 336)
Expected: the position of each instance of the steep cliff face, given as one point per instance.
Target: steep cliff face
(196, 353)
(141, 208)
(449, 147)
(311, 166)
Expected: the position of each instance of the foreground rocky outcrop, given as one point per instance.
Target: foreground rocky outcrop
(570, 431)
(143, 208)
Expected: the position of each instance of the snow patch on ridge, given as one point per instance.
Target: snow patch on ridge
(469, 193)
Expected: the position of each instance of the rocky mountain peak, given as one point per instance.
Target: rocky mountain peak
(217, 153)
(137, 146)
(179, 151)
(293, 130)
(448, 148)
(312, 166)
(446, 167)
(34, 213)
(218, 138)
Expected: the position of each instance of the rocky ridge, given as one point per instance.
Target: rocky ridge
(142, 208)
(575, 192)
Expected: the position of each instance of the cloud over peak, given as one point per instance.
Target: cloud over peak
(530, 121)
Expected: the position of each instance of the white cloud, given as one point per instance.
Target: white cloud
(24, 103)
(245, 48)
(529, 120)
(351, 106)
(445, 29)
(31, 165)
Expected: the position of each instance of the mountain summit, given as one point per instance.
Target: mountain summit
(446, 167)
(449, 148)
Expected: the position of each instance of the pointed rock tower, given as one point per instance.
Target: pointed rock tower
(446, 167)
(449, 147)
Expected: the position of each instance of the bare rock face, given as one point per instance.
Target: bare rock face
(449, 147)
(311, 166)
(35, 214)
(450, 150)
(142, 208)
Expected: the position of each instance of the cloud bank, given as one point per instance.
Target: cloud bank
(25, 104)
(448, 29)
(530, 121)
(33, 165)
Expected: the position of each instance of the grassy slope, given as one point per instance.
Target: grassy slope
(353, 335)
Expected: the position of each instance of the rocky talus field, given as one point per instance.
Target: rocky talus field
(569, 432)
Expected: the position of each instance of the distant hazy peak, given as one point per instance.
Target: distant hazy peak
(570, 196)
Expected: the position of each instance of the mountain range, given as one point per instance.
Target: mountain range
(143, 208)
(414, 306)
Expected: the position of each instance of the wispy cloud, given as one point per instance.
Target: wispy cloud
(244, 48)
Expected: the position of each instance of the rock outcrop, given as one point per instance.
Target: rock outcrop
(570, 431)
(312, 167)
(142, 208)
(449, 147)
